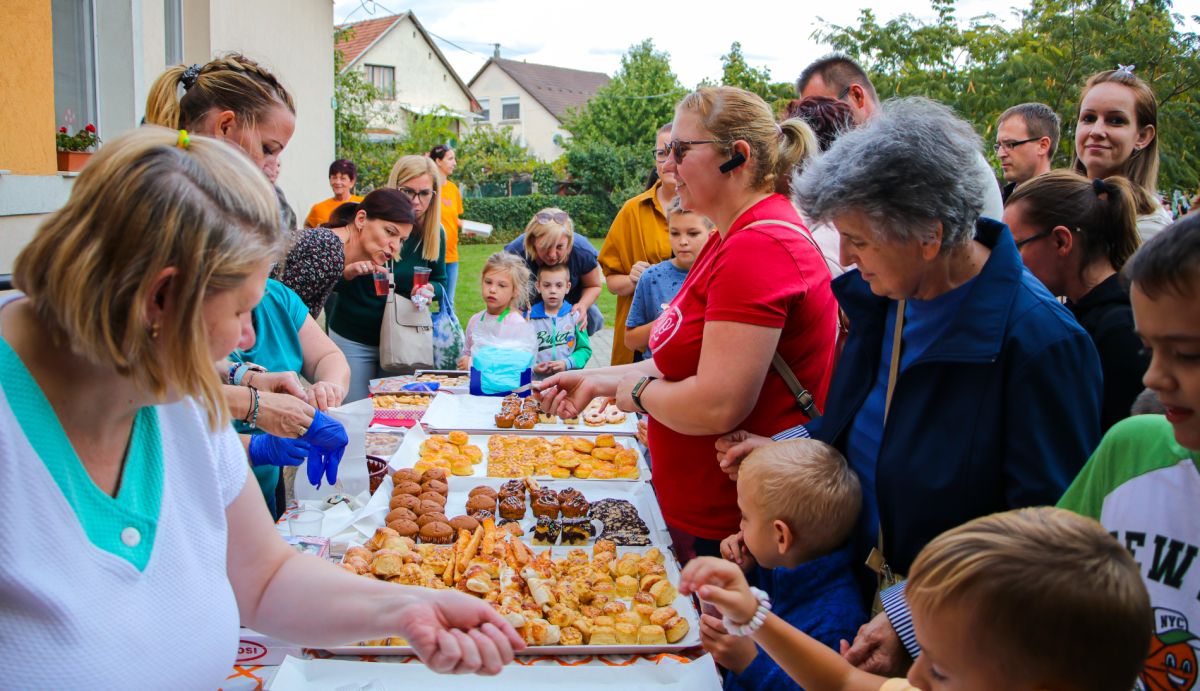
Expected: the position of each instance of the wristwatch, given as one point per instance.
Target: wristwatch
(636, 394)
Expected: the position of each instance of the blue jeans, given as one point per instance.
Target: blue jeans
(364, 365)
(595, 320)
(451, 284)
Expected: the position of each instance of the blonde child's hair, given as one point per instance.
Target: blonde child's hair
(543, 235)
(430, 223)
(518, 273)
(1052, 596)
(676, 207)
(142, 205)
(808, 485)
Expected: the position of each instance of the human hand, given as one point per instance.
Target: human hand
(734, 653)
(283, 415)
(326, 394)
(580, 314)
(328, 440)
(720, 583)
(275, 382)
(555, 366)
(566, 394)
(734, 447)
(624, 393)
(635, 274)
(356, 269)
(464, 362)
(733, 548)
(877, 649)
(266, 449)
(643, 432)
(423, 295)
(454, 633)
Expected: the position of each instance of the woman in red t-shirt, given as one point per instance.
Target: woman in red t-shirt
(758, 287)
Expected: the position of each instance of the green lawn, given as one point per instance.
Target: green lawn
(468, 301)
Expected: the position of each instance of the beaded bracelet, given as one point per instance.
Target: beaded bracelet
(251, 418)
(756, 621)
(229, 378)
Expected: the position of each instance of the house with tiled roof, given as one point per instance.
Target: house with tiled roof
(397, 56)
(533, 99)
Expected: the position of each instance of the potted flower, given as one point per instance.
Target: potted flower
(74, 150)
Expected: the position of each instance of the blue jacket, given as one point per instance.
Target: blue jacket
(819, 597)
(1001, 412)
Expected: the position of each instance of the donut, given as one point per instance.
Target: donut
(614, 415)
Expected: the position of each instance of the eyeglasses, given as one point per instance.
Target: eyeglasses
(412, 194)
(842, 95)
(660, 155)
(559, 217)
(1044, 234)
(679, 147)
(1012, 144)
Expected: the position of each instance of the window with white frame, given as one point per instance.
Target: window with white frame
(485, 109)
(383, 78)
(510, 108)
(74, 35)
(173, 26)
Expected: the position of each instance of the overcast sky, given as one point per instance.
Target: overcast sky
(591, 35)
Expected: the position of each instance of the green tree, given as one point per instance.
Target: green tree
(353, 99)
(981, 67)
(491, 154)
(629, 109)
(735, 71)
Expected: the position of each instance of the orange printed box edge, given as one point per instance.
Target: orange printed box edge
(255, 648)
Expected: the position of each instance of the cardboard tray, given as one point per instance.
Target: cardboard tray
(477, 414)
(410, 452)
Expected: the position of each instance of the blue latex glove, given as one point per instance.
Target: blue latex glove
(327, 439)
(268, 450)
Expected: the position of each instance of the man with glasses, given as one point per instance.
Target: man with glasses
(837, 76)
(637, 240)
(1026, 139)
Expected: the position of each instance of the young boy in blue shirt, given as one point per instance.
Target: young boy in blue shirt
(562, 344)
(799, 501)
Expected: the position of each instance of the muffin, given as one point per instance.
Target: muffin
(513, 488)
(512, 508)
(430, 507)
(574, 508)
(405, 527)
(464, 523)
(481, 502)
(431, 517)
(525, 421)
(505, 420)
(405, 475)
(438, 486)
(483, 489)
(546, 504)
(568, 494)
(432, 496)
(404, 501)
(400, 513)
(437, 533)
(407, 488)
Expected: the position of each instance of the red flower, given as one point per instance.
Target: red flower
(90, 127)
(63, 130)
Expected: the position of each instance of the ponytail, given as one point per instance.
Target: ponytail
(797, 144)
(233, 82)
(1119, 199)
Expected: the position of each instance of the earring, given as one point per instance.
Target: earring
(154, 331)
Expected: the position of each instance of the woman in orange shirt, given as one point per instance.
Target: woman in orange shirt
(452, 208)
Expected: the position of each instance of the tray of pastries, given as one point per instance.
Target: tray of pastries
(599, 599)
(561, 457)
(515, 415)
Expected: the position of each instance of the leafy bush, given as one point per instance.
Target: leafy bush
(509, 215)
(491, 155)
(615, 173)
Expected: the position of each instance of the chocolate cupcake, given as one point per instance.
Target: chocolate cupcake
(568, 494)
(481, 502)
(407, 488)
(437, 533)
(464, 523)
(576, 507)
(512, 508)
(546, 505)
(546, 531)
(405, 527)
(431, 517)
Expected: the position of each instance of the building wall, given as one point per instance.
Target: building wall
(537, 126)
(422, 80)
(27, 82)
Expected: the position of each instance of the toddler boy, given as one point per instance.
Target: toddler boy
(562, 345)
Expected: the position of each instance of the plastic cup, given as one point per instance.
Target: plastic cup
(306, 523)
(381, 282)
(421, 275)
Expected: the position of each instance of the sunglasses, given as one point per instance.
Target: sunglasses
(679, 147)
(559, 217)
(413, 194)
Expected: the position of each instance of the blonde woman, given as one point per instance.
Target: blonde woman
(550, 239)
(354, 322)
(136, 513)
(758, 287)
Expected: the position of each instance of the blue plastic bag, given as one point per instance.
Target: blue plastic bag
(501, 369)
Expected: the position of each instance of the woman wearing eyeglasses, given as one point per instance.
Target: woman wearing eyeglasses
(355, 320)
(637, 240)
(549, 240)
(1075, 234)
(758, 288)
(1117, 134)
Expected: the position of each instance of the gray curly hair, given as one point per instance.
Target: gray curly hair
(912, 164)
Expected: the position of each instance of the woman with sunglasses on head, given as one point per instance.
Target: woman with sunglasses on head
(549, 240)
(637, 239)
(1117, 134)
(758, 288)
(356, 318)
(1074, 235)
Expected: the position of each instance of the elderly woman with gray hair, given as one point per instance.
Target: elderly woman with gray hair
(964, 388)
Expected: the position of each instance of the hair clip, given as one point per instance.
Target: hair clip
(1127, 69)
(188, 79)
(184, 140)
(1099, 187)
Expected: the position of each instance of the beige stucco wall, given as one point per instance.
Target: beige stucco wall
(537, 125)
(422, 80)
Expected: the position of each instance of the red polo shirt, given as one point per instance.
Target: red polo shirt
(768, 275)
